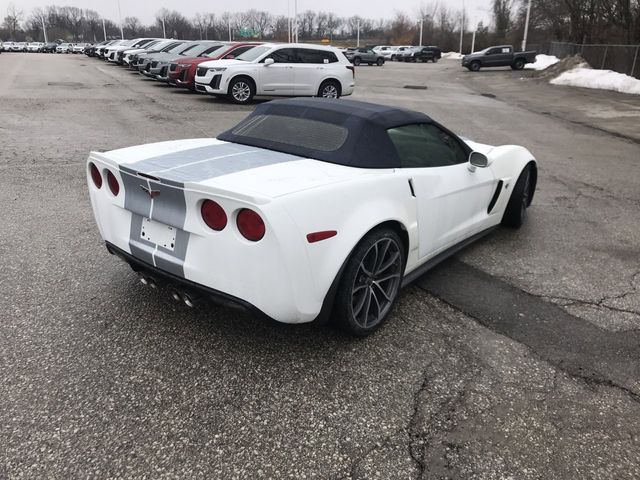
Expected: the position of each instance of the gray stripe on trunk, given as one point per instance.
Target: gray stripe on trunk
(203, 163)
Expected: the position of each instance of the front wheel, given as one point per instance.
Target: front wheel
(516, 211)
(474, 67)
(241, 90)
(380, 62)
(329, 89)
(357, 61)
(435, 60)
(370, 283)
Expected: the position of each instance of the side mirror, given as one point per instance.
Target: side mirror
(478, 159)
(269, 61)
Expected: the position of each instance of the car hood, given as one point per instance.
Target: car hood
(223, 63)
(193, 60)
(213, 165)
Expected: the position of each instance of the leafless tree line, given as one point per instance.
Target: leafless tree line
(604, 21)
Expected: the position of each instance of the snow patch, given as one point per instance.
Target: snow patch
(542, 62)
(599, 79)
(452, 55)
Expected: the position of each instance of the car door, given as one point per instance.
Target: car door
(309, 70)
(277, 78)
(452, 196)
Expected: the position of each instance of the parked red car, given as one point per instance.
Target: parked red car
(182, 72)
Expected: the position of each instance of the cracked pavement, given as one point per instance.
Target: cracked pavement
(516, 359)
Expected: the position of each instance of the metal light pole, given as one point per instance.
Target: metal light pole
(230, 38)
(526, 27)
(120, 15)
(44, 30)
(473, 40)
(358, 44)
(421, 25)
(164, 30)
(295, 21)
(104, 30)
(462, 28)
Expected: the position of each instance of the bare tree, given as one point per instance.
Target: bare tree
(12, 19)
(502, 17)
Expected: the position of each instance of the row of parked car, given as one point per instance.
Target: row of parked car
(408, 53)
(42, 47)
(380, 54)
(238, 71)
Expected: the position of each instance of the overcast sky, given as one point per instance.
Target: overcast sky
(145, 9)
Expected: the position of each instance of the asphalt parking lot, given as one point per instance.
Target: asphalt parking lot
(518, 358)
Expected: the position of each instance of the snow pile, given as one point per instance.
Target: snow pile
(600, 79)
(564, 65)
(452, 55)
(542, 62)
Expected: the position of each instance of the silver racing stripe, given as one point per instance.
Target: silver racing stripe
(168, 207)
(164, 200)
(203, 163)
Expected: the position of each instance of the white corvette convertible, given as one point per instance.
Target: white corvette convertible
(309, 209)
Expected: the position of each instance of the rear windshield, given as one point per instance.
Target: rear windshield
(299, 132)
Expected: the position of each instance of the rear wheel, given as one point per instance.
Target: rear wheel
(370, 283)
(380, 62)
(434, 59)
(241, 90)
(518, 64)
(329, 89)
(357, 61)
(516, 211)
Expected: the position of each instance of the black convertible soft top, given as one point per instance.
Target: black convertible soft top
(339, 131)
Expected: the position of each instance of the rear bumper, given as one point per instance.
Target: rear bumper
(183, 285)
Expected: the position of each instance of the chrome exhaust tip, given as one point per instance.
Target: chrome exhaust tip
(143, 280)
(176, 296)
(189, 302)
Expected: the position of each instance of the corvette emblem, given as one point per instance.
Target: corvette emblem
(151, 193)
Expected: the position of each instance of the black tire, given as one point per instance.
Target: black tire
(369, 63)
(357, 61)
(434, 59)
(380, 62)
(475, 66)
(241, 90)
(370, 283)
(330, 89)
(521, 196)
(518, 64)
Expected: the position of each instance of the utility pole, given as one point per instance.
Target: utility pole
(164, 30)
(358, 41)
(526, 27)
(230, 37)
(44, 30)
(120, 15)
(473, 40)
(295, 21)
(421, 25)
(104, 30)
(462, 27)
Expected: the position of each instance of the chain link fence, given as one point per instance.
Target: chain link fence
(619, 58)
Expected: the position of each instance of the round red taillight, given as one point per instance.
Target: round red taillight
(95, 175)
(114, 186)
(213, 215)
(250, 225)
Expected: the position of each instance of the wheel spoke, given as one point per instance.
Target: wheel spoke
(375, 298)
(387, 298)
(367, 304)
(387, 277)
(358, 308)
(389, 262)
(380, 259)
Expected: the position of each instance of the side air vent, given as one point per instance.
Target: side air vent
(495, 197)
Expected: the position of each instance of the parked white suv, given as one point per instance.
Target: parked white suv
(278, 70)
